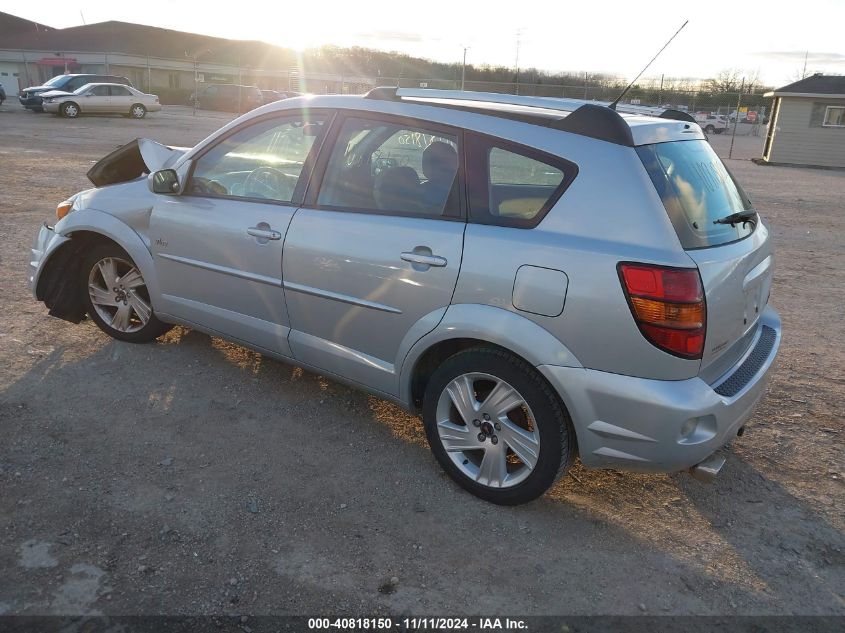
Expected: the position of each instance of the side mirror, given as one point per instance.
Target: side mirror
(164, 181)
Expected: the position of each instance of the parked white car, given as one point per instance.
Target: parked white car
(101, 99)
(711, 123)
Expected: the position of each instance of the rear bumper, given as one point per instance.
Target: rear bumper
(661, 425)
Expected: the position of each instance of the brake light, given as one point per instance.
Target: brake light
(668, 306)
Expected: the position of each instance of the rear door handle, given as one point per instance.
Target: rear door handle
(425, 260)
(264, 234)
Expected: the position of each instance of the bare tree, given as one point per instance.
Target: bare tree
(730, 80)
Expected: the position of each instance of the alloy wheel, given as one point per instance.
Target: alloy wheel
(488, 430)
(119, 294)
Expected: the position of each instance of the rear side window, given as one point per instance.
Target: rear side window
(696, 188)
(513, 185)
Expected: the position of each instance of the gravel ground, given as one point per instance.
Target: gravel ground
(195, 476)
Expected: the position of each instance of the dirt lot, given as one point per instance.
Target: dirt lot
(195, 476)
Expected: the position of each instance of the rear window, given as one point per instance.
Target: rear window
(696, 189)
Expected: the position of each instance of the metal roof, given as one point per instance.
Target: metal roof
(814, 86)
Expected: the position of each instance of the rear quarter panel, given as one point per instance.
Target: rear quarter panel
(610, 213)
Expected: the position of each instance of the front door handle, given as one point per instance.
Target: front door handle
(264, 232)
(425, 260)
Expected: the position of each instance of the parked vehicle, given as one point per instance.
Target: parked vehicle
(228, 97)
(30, 98)
(711, 123)
(2, 94)
(539, 278)
(100, 99)
(269, 96)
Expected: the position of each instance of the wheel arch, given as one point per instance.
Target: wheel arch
(82, 229)
(470, 325)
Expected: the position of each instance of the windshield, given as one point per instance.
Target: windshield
(696, 188)
(56, 81)
(83, 89)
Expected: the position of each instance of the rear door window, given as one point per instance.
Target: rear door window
(696, 189)
(389, 167)
(513, 185)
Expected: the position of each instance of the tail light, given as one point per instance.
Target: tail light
(668, 306)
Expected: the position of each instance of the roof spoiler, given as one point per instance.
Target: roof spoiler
(678, 115)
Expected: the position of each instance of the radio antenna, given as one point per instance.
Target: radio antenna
(612, 106)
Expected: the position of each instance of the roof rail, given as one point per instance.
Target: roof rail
(587, 118)
(550, 103)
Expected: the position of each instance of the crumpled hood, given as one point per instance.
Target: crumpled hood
(55, 93)
(139, 157)
(37, 89)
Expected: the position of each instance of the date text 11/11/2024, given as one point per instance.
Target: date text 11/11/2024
(417, 624)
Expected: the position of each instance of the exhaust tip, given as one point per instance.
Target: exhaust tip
(708, 470)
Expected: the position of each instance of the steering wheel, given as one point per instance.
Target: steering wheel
(205, 185)
(276, 184)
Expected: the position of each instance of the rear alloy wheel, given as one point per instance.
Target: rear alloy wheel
(496, 427)
(138, 111)
(117, 298)
(70, 110)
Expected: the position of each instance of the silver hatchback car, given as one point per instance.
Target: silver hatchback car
(541, 279)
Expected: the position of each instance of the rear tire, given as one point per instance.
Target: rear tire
(138, 111)
(709, 129)
(115, 296)
(527, 433)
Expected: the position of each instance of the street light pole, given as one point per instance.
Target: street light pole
(464, 68)
(196, 87)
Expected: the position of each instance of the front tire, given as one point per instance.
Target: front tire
(709, 129)
(496, 427)
(70, 110)
(138, 111)
(116, 296)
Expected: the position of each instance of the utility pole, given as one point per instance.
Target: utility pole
(804, 70)
(464, 68)
(660, 95)
(585, 85)
(196, 87)
(196, 82)
(736, 120)
(518, 35)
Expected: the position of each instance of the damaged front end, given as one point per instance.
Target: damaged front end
(119, 215)
(133, 160)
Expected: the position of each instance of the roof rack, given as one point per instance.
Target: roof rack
(587, 118)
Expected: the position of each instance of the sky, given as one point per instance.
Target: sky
(608, 36)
